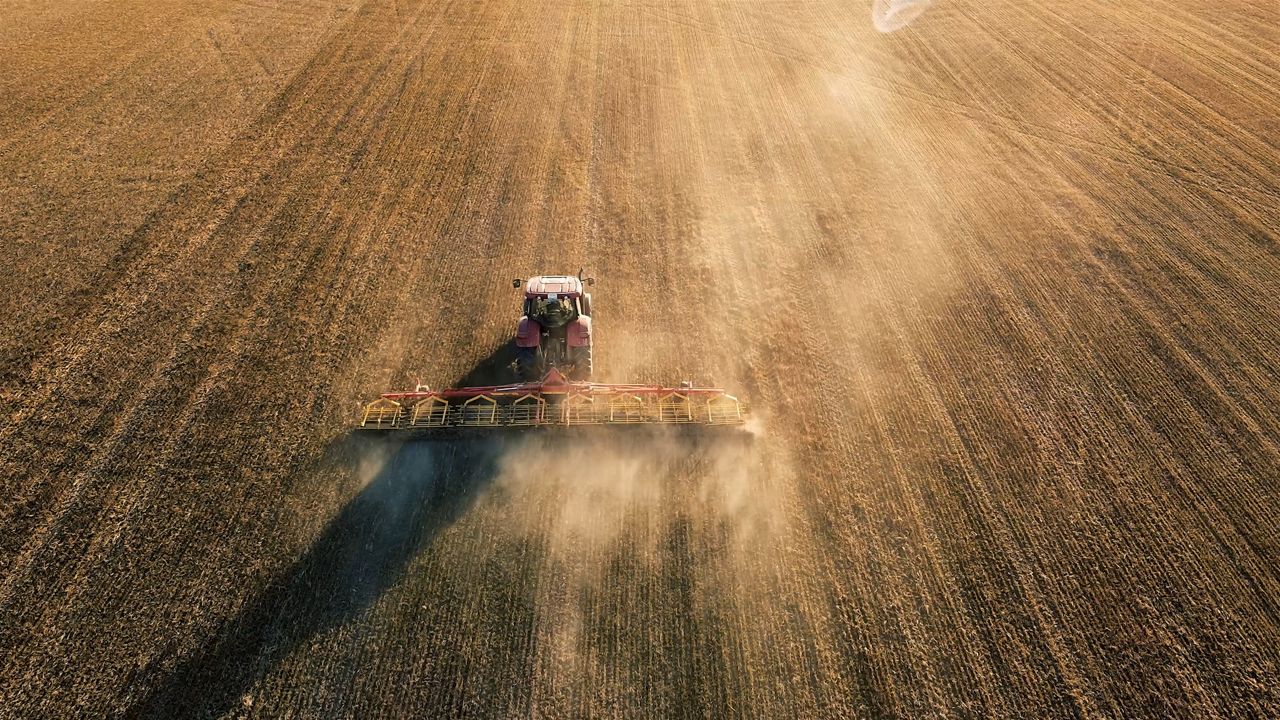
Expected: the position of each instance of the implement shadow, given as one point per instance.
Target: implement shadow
(421, 488)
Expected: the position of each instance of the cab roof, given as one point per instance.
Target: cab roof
(566, 285)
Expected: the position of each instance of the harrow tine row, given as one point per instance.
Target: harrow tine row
(536, 410)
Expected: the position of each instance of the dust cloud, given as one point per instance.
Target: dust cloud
(370, 463)
(585, 495)
(891, 15)
(618, 511)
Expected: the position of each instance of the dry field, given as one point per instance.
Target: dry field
(1001, 285)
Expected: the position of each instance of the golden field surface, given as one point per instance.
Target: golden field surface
(1000, 285)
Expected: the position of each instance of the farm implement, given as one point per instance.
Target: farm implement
(552, 385)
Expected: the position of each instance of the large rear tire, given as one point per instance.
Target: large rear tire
(581, 363)
(528, 364)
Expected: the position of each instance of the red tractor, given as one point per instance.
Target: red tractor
(555, 331)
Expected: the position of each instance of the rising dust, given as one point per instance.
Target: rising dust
(606, 511)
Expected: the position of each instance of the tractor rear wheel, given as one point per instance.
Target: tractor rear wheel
(581, 363)
(528, 364)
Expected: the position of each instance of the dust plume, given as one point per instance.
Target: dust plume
(370, 462)
(585, 495)
(615, 513)
(891, 15)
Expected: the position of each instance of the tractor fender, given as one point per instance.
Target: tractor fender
(579, 334)
(528, 333)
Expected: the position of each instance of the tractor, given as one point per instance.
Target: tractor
(555, 329)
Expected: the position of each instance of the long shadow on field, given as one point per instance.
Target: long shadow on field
(417, 490)
(421, 490)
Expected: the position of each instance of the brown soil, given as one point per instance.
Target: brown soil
(1001, 286)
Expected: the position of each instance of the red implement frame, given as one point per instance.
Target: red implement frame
(553, 401)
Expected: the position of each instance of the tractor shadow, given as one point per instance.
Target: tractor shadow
(417, 490)
(423, 488)
(493, 370)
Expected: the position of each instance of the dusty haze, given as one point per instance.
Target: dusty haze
(997, 277)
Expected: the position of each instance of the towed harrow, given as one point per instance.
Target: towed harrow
(553, 401)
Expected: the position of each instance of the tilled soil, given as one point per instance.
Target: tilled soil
(1000, 286)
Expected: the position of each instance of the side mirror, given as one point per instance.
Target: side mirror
(591, 281)
(516, 283)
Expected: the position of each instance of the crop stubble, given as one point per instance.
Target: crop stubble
(1000, 286)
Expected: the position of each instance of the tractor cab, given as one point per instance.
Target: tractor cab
(553, 310)
(554, 301)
